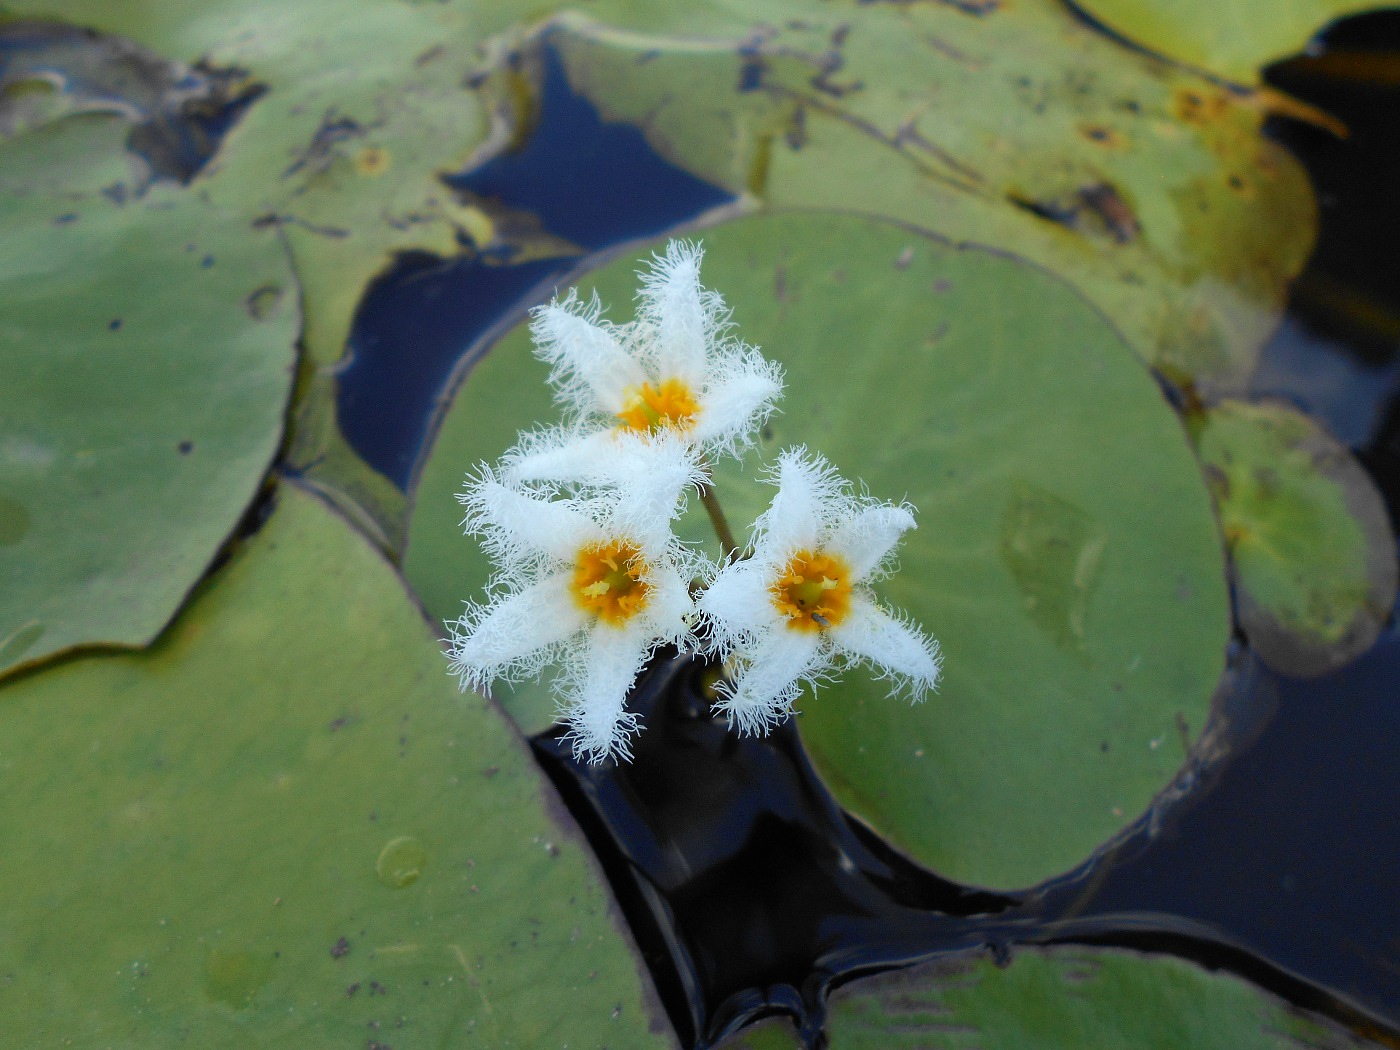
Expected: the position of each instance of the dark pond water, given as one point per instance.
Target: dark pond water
(748, 889)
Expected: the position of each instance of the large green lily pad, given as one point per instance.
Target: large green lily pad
(1233, 38)
(146, 353)
(1067, 556)
(1310, 541)
(283, 826)
(1148, 187)
(1069, 999)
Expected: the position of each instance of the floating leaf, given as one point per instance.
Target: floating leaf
(1149, 188)
(1066, 555)
(1234, 38)
(283, 826)
(1310, 542)
(367, 106)
(1068, 999)
(146, 354)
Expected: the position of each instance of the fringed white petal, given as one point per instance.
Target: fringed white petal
(810, 500)
(514, 635)
(648, 477)
(738, 401)
(567, 455)
(866, 538)
(517, 524)
(591, 368)
(769, 679)
(595, 693)
(738, 603)
(678, 316)
(897, 649)
(670, 608)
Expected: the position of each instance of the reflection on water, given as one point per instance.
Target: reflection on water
(590, 182)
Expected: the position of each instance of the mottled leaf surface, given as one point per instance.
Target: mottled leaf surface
(1311, 544)
(282, 826)
(1149, 188)
(1233, 38)
(1066, 554)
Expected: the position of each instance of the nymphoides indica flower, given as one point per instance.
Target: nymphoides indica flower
(677, 369)
(800, 603)
(593, 583)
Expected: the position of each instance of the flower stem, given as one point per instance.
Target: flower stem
(717, 519)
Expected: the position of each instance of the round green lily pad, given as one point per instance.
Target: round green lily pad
(146, 354)
(1066, 554)
(1311, 545)
(283, 826)
(1069, 998)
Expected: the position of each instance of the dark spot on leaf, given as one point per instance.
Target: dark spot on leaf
(430, 55)
(207, 262)
(65, 218)
(795, 134)
(185, 447)
(340, 949)
(1108, 204)
(828, 64)
(323, 148)
(751, 73)
(114, 324)
(116, 193)
(1104, 746)
(263, 302)
(352, 989)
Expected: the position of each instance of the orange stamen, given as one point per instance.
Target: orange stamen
(610, 581)
(667, 404)
(813, 591)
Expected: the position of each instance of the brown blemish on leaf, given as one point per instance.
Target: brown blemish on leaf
(372, 161)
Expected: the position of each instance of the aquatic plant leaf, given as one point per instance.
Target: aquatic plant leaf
(1066, 554)
(282, 826)
(146, 355)
(773, 1034)
(1148, 187)
(1311, 545)
(1233, 39)
(366, 106)
(1067, 999)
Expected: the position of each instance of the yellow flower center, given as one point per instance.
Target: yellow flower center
(813, 591)
(651, 408)
(610, 581)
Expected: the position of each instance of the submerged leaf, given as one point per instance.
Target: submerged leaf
(1068, 999)
(1310, 541)
(1066, 555)
(283, 826)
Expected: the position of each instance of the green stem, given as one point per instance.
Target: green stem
(717, 519)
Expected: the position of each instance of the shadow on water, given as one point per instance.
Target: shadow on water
(747, 886)
(593, 183)
(748, 889)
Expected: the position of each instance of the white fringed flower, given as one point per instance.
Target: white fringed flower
(800, 603)
(595, 583)
(674, 369)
